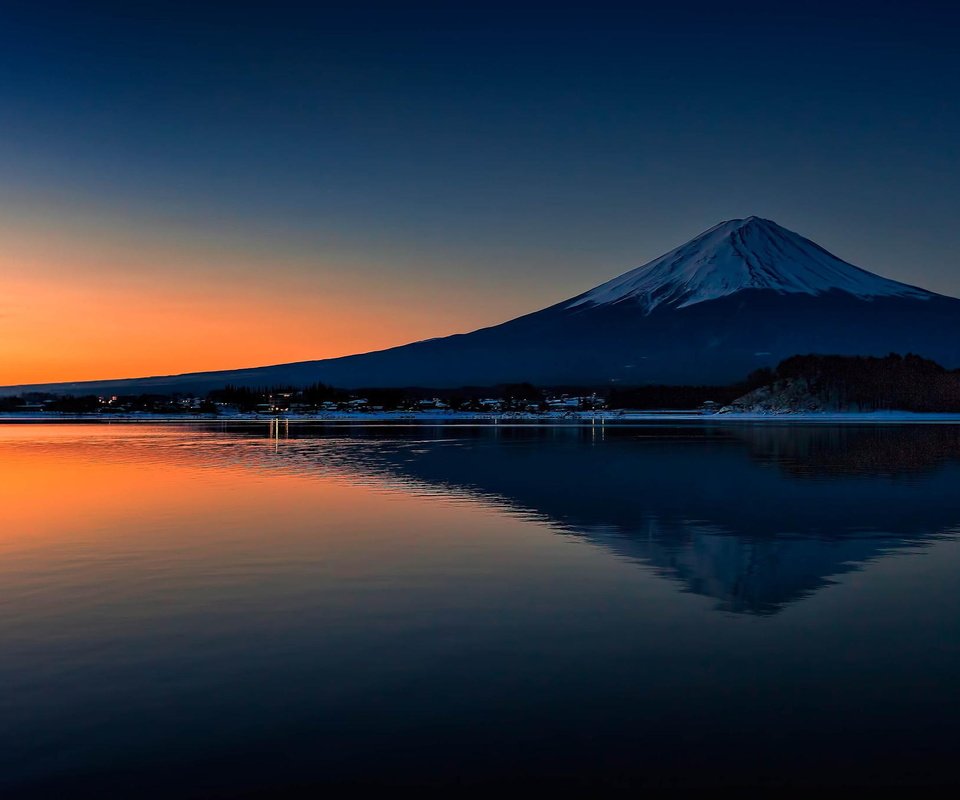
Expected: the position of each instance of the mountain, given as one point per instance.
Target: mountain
(745, 294)
(735, 256)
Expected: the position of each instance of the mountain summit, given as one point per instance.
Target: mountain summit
(745, 294)
(740, 254)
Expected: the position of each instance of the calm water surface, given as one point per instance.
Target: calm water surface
(202, 611)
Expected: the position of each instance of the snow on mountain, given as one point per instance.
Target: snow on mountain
(738, 254)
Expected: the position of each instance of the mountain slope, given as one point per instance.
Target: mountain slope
(744, 294)
(740, 254)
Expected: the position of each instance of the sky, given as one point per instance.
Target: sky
(218, 185)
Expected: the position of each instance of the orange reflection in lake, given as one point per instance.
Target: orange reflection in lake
(128, 500)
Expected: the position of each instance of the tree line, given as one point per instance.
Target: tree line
(860, 383)
(863, 383)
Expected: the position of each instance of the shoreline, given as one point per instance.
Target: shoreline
(578, 418)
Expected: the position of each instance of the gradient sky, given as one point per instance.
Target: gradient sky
(187, 187)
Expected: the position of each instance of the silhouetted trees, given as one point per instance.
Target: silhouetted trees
(856, 383)
(862, 383)
(83, 404)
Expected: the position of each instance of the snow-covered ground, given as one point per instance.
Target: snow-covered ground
(583, 418)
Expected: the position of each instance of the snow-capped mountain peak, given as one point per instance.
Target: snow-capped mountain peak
(751, 253)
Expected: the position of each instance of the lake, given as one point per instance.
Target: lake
(215, 610)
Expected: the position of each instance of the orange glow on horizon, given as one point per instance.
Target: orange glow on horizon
(78, 308)
(67, 332)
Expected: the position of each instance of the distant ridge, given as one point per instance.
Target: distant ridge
(746, 293)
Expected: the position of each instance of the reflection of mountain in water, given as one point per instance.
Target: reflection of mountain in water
(756, 517)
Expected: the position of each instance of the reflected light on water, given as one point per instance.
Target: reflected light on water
(223, 605)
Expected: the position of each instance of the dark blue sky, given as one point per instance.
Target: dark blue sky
(551, 148)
